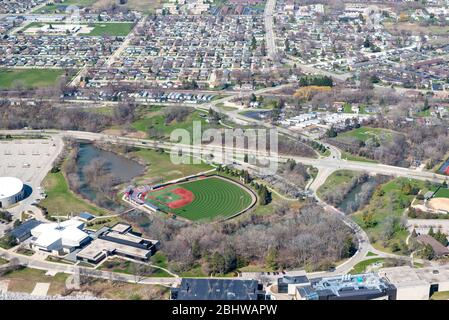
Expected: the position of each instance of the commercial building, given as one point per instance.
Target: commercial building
(218, 289)
(368, 286)
(119, 240)
(23, 231)
(11, 191)
(289, 284)
(417, 284)
(63, 237)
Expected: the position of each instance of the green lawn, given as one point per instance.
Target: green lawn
(128, 267)
(362, 266)
(214, 197)
(364, 133)
(113, 29)
(350, 157)
(442, 193)
(61, 201)
(161, 168)
(29, 78)
(153, 118)
(389, 200)
(24, 280)
(61, 7)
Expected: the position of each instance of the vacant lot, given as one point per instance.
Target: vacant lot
(29, 78)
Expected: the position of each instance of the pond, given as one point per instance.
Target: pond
(349, 204)
(122, 169)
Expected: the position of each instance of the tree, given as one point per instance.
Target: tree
(428, 252)
(271, 259)
(331, 132)
(431, 232)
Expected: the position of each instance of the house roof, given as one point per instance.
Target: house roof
(437, 247)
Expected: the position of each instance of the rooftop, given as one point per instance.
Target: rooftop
(216, 289)
(10, 186)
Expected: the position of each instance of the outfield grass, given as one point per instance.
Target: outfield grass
(214, 197)
(30, 78)
(161, 168)
(61, 201)
(442, 193)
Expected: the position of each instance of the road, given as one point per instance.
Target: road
(270, 38)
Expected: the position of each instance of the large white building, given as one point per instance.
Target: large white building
(60, 237)
(11, 191)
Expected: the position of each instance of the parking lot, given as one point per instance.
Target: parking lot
(29, 160)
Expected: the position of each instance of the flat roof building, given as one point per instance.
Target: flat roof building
(118, 240)
(59, 237)
(367, 286)
(218, 289)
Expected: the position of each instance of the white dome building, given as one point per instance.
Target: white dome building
(11, 191)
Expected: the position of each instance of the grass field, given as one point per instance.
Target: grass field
(213, 198)
(153, 118)
(160, 167)
(111, 29)
(442, 193)
(61, 201)
(350, 157)
(61, 7)
(24, 280)
(362, 266)
(365, 133)
(30, 78)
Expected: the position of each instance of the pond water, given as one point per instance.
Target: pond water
(352, 197)
(122, 169)
(257, 114)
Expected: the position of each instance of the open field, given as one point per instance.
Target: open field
(152, 118)
(128, 267)
(365, 133)
(29, 78)
(160, 167)
(146, 6)
(24, 280)
(202, 199)
(61, 200)
(113, 29)
(416, 29)
(61, 7)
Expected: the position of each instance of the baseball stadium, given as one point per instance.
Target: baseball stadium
(196, 198)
